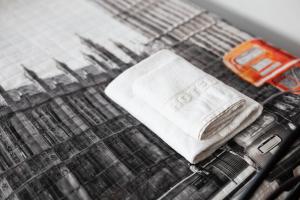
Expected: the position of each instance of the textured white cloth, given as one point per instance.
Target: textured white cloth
(190, 110)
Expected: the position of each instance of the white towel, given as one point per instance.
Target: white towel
(190, 110)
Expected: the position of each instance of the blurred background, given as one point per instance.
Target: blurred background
(277, 21)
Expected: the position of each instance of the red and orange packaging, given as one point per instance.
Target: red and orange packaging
(258, 62)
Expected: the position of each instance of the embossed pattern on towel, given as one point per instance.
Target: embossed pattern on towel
(196, 102)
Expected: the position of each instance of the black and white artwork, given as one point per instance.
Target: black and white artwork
(62, 138)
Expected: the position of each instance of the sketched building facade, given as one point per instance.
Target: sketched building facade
(62, 138)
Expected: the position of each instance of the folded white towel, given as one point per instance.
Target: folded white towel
(190, 110)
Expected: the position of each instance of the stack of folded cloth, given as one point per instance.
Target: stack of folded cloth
(190, 110)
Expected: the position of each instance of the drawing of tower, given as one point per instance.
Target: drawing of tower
(133, 55)
(104, 53)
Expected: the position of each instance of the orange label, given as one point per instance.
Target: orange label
(259, 62)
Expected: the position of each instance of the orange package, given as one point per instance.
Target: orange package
(259, 62)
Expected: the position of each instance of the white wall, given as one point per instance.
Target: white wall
(277, 21)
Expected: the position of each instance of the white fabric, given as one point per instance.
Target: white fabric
(190, 110)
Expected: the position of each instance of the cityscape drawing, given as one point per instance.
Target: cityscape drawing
(62, 138)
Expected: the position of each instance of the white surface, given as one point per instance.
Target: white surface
(33, 32)
(276, 21)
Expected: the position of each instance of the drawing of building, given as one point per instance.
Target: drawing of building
(62, 138)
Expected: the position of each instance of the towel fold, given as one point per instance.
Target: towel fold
(190, 110)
